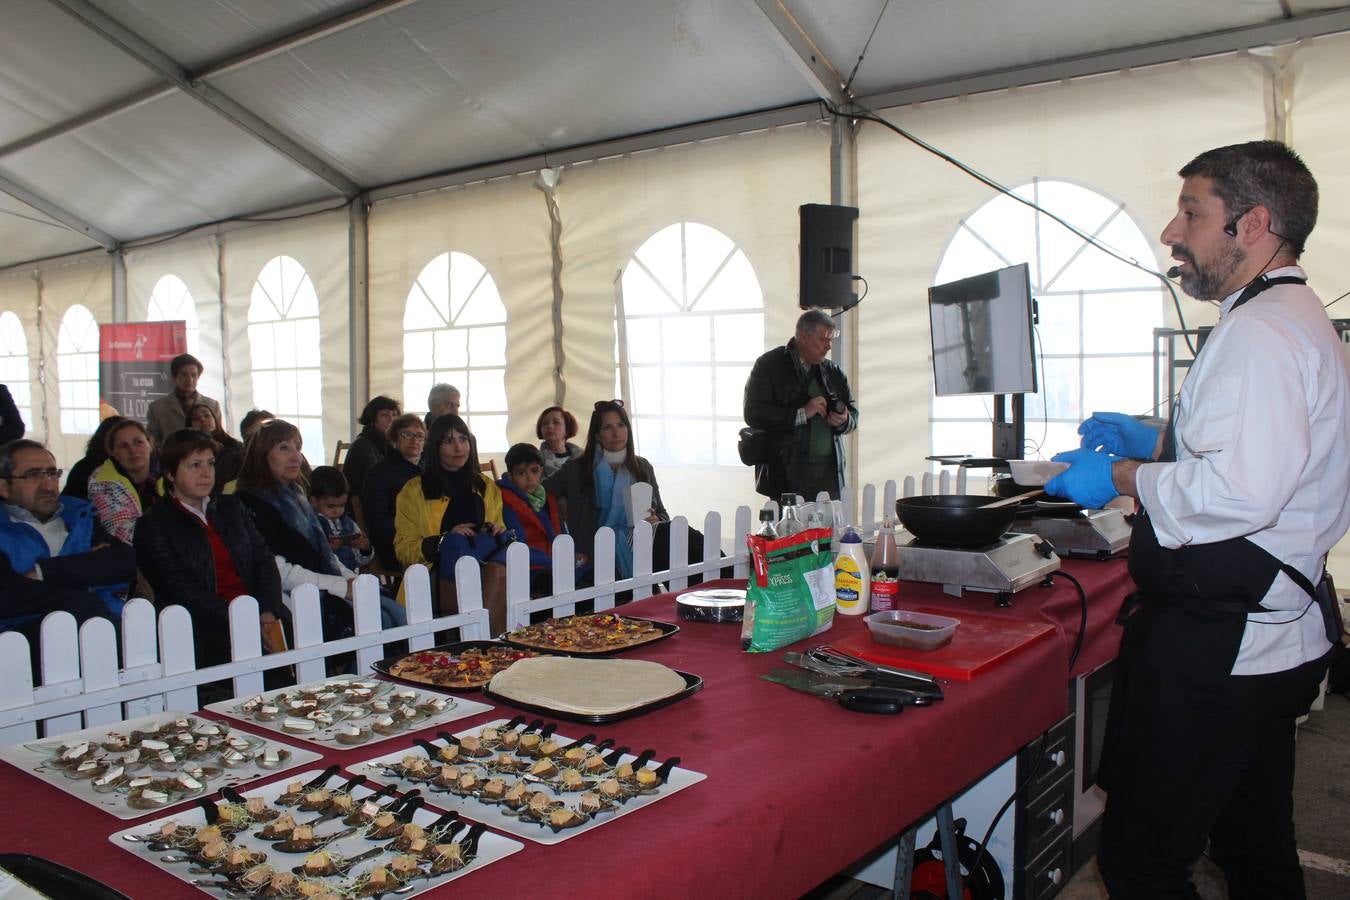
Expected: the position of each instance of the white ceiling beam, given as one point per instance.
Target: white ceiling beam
(136, 47)
(820, 74)
(220, 67)
(1214, 43)
(52, 211)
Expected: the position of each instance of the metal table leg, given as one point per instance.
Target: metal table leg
(951, 862)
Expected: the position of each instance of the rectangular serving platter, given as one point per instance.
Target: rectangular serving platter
(32, 757)
(383, 666)
(491, 848)
(457, 708)
(666, 628)
(693, 684)
(495, 816)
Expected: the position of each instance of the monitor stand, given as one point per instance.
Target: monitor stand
(1009, 435)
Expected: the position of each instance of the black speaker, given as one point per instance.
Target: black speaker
(826, 256)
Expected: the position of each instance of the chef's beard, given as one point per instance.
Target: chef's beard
(1207, 282)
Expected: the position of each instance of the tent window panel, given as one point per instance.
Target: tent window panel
(171, 301)
(452, 348)
(490, 430)
(14, 370)
(487, 346)
(728, 434)
(77, 370)
(486, 391)
(1092, 309)
(416, 386)
(694, 318)
(283, 339)
(417, 347)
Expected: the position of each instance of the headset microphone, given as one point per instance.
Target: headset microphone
(1231, 228)
(1174, 272)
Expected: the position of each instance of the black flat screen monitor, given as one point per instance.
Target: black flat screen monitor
(982, 340)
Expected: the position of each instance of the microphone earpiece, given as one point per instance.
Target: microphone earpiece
(1174, 272)
(1231, 228)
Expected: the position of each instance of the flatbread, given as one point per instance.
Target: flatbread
(590, 687)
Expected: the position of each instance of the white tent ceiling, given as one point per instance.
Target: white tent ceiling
(125, 119)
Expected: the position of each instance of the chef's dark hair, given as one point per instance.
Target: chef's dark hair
(1262, 173)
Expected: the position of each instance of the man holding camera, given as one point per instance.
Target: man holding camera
(801, 404)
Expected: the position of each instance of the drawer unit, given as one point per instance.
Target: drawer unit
(1046, 875)
(1055, 752)
(1045, 819)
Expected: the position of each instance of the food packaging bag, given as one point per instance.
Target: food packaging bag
(790, 595)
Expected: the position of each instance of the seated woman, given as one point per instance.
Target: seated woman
(272, 488)
(407, 435)
(529, 511)
(372, 444)
(593, 490)
(95, 452)
(231, 453)
(451, 510)
(201, 552)
(126, 484)
(555, 428)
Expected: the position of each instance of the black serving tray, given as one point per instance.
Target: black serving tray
(693, 684)
(55, 880)
(382, 666)
(667, 629)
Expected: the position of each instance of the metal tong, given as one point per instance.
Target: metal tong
(828, 661)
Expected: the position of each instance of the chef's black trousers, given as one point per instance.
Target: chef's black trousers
(1195, 755)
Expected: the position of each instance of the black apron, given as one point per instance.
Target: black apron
(1192, 604)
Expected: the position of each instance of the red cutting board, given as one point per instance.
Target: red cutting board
(979, 644)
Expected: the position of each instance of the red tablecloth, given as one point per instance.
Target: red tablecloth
(797, 787)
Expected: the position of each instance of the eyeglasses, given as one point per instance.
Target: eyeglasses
(37, 475)
(412, 436)
(601, 404)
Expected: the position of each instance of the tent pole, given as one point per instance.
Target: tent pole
(358, 304)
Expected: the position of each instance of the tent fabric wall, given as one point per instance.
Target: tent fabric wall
(1123, 135)
(19, 295)
(195, 260)
(748, 187)
(90, 285)
(504, 225)
(319, 243)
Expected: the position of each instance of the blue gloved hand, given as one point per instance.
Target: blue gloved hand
(1119, 434)
(1087, 481)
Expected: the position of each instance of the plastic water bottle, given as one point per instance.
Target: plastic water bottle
(790, 524)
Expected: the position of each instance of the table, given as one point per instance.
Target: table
(797, 789)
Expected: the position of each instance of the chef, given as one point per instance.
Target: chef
(1242, 497)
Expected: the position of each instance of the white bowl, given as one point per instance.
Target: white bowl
(1034, 472)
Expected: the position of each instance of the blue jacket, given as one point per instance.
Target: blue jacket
(106, 572)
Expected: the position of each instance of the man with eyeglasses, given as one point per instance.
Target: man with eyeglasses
(53, 553)
(802, 402)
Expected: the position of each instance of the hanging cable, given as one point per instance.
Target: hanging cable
(854, 74)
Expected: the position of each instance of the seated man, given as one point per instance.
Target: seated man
(53, 554)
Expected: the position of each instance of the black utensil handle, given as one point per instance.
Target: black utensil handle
(514, 724)
(410, 805)
(548, 731)
(209, 807)
(379, 795)
(534, 725)
(448, 738)
(443, 821)
(873, 700)
(663, 773)
(354, 782)
(584, 739)
(604, 745)
(323, 777)
(230, 795)
(468, 845)
(612, 759)
(431, 750)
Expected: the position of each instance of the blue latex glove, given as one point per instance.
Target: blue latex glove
(1119, 434)
(1087, 481)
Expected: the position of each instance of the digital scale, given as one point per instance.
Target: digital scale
(1094, 533)
(1013, 562)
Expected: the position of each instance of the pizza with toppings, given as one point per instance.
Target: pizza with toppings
(457, 670)
(596, 633)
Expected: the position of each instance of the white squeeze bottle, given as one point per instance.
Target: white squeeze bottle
(852, 575)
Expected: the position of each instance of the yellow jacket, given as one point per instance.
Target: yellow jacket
(417, 518)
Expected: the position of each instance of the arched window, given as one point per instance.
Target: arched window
(692, 325)
(454, 331)
(1095, 338)
(283, 339)
(172, 301)
(77, 371)
(14, 366)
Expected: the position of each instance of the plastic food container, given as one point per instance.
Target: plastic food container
(916, 630)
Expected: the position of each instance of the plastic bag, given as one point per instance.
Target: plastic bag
(790, 595)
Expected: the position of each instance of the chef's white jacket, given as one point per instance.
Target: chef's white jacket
(1263, 452)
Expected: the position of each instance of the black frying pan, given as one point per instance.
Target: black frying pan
(954, 520)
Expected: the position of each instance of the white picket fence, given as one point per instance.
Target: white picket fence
(83, 684)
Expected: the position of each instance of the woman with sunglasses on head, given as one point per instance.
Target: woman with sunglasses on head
(593, 488)
(272, 486)
(127, 482)
(453, 509)
(407, 437)
(200, 551)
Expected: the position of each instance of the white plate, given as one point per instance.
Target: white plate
(491, 847)
(32, 757)
(456, 708)
(493, 815)
(1034, 472)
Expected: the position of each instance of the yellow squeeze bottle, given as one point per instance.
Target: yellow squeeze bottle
(852, 576)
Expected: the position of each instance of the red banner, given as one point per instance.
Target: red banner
(133, 363)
